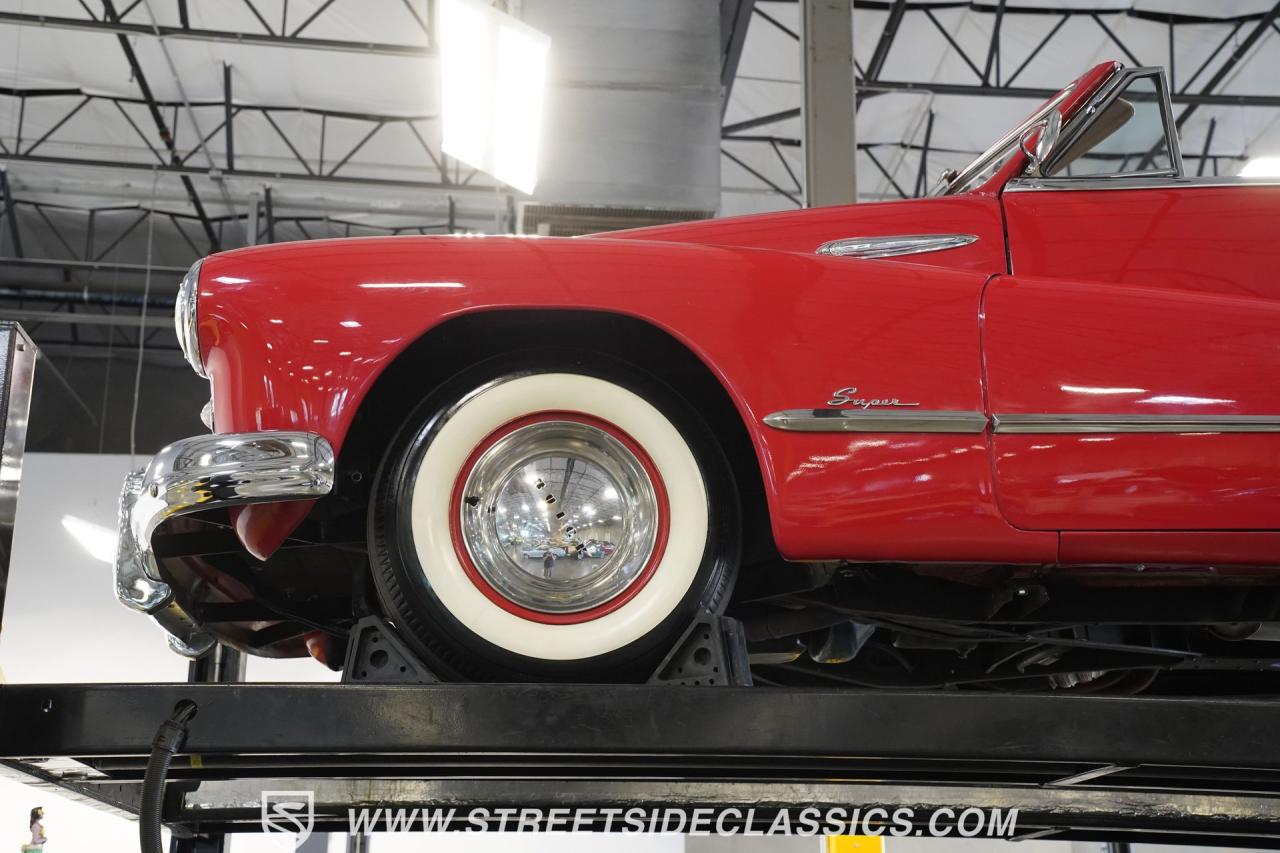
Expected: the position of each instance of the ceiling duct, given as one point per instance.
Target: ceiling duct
(632, 109)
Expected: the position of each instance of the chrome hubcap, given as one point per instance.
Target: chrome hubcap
(559, 516)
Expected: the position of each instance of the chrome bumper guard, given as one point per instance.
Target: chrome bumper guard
(202, 473)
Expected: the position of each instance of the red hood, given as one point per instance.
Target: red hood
(805, 230)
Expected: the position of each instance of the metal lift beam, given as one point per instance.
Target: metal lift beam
(1073, 765)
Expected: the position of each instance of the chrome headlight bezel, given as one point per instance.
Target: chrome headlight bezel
(185, 319)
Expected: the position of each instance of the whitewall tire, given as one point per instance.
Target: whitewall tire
(551, 516)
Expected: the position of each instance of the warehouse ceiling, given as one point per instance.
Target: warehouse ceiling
(138, 135)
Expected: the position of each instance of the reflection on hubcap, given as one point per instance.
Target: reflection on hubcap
(559, 515)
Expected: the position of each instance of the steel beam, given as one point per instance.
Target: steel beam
(255, 175)
(1040, 94)
(764, 179)
(10, 214)
(89, 266)
(777, 25)
(1262, 27)
(826, 46)
(317, 13)
(922, 175)
(887, 35)
(270, 214)
(1208, 60)
(162, 128)
(331, 723)
(875, 161)
(228, 117)
(52, 226)
(1208, 142)
(264, 39)
(123, 801)
(951, 40)
(131, 321)
(1114, 38)
(735, 18)
(58, 124)
(760, 121)
(993, 52)
(355, 148)
(61, 92)
(1066, 16)
(11, 294)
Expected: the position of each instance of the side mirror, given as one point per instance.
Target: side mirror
(1050, 129)
(944, 181)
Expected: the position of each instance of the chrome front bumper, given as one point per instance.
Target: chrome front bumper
(197, 474)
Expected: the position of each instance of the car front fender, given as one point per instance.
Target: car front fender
(295, 335)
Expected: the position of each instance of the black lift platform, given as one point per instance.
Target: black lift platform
(1199, 771)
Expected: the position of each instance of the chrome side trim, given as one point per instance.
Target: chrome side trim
(894, 246)
(860, 420)
(1068, 424)
(1146, 182)
(196, 474)
(936, 421)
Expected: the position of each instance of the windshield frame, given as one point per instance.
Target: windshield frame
(1105, 95)
(1003, 147)
(1073, 97)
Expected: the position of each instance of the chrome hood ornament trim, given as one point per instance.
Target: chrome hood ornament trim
(894, 246)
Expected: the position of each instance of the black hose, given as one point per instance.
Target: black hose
(166, 744)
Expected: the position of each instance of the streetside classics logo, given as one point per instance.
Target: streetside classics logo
(293, 813)
(290, 812)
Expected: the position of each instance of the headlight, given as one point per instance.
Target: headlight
(185, 320)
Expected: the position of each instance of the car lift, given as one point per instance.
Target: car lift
(1198, 771)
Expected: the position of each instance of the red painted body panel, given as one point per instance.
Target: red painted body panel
(1174, 309)
(1173, 546)
(1211, 239)
(294, 335)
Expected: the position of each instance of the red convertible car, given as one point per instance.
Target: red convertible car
(1021, 434)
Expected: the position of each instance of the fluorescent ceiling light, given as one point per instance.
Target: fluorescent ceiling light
(1261, 167)
(493, 72)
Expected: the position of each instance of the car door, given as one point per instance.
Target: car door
(1133, 356)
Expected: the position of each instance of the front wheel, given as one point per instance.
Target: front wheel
(510, 467)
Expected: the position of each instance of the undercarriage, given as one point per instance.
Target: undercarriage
(1118, 630)
(1083, 629)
